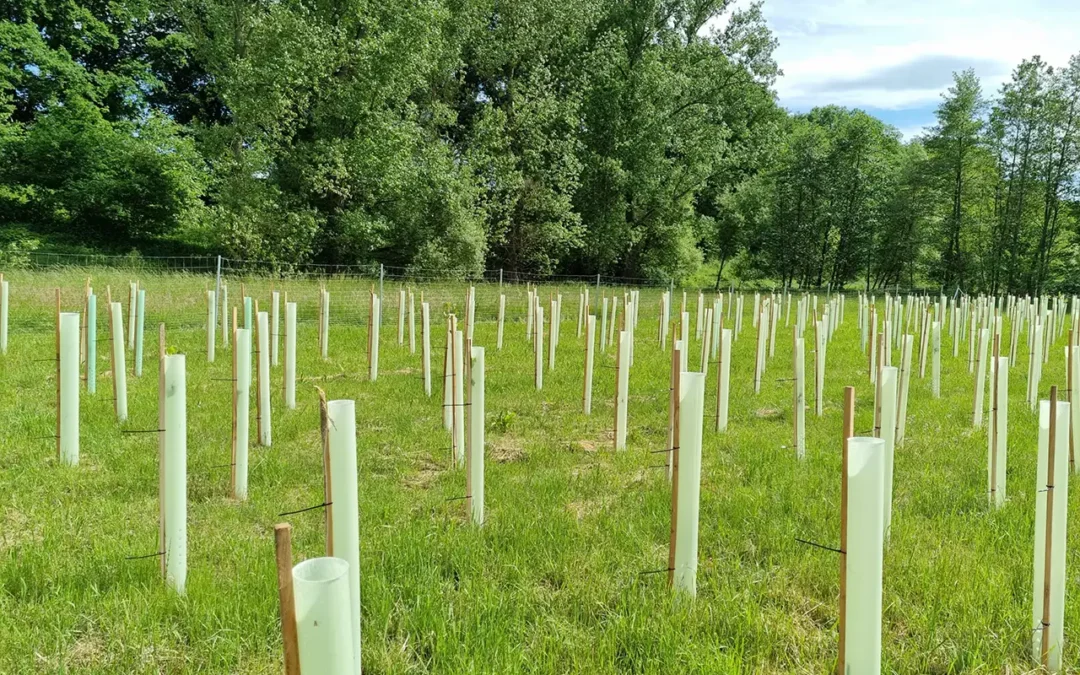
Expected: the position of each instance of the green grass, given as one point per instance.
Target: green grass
(552, 583)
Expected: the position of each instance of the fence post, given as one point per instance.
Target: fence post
(500, 279)
(382, 271)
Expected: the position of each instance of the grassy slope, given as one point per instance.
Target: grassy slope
(553, 582)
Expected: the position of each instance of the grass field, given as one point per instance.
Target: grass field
(553, 581)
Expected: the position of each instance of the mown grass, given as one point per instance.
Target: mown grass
(553, 582)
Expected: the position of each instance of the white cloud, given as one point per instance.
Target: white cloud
(894, 55)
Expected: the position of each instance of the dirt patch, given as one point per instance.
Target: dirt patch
(405, 371)
(767, 413)
(506, 449)
(424, 476)
(88, 651)
(583, 508)
(585, 445)
(638, 477)
(17, 531)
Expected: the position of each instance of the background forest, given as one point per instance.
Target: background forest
(635, 138)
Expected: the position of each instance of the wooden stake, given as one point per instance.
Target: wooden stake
(676, 385)
(848, 432)
(1048, 542)
(286, 600)
(673, 408)
(328, 494)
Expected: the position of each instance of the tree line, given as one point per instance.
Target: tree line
(632, 138)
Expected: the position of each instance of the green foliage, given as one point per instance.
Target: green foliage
(631, 139)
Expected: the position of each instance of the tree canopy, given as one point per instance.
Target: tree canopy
(632, 138)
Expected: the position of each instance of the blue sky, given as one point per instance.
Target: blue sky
(894, 58)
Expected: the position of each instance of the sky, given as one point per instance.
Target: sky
(894, 58)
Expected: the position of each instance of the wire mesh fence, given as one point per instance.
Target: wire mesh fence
(176, 289)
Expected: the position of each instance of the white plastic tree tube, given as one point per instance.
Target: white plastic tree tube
(759, 356)
(448, 378)
(133, 298)
(980, 378)
(91, 344)
(323, 620)
(502, 319)
(903, 386)
(1056, 548)
(998, 442)
(800, 398)
(211, 326)
(557, 325)
(706, 340)
(774, 319)
(140, 327)
(530, 305)
(225, 315)
(119, 369)
(401, 317)
(935, 364)
(699, 324)
(425, 345)
(1074, 411)
(691, 419)
(69, 388)
(345, 507)
(325, 320)
(590, 356)
(1034, 364)
(613, 326)
(376, 323)
(476, 436)
(264, 379)
(538, 349)
(717, 313)
(4, 300)
(471, 312)
(684, 332)
(865, 543)
(412, 322)
(603, 325)
(290, 355)
(553, 332)
(242, 422)
(887, 416)
(580, 312)
(723, 379)
(275, 326)
(819, 368)
(622, 390)
(459, 397)
(175, 452)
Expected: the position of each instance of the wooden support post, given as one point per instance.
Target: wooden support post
(286, 600)
(328, 496)
(674, 454)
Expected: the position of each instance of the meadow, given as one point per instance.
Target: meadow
(558, 580)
